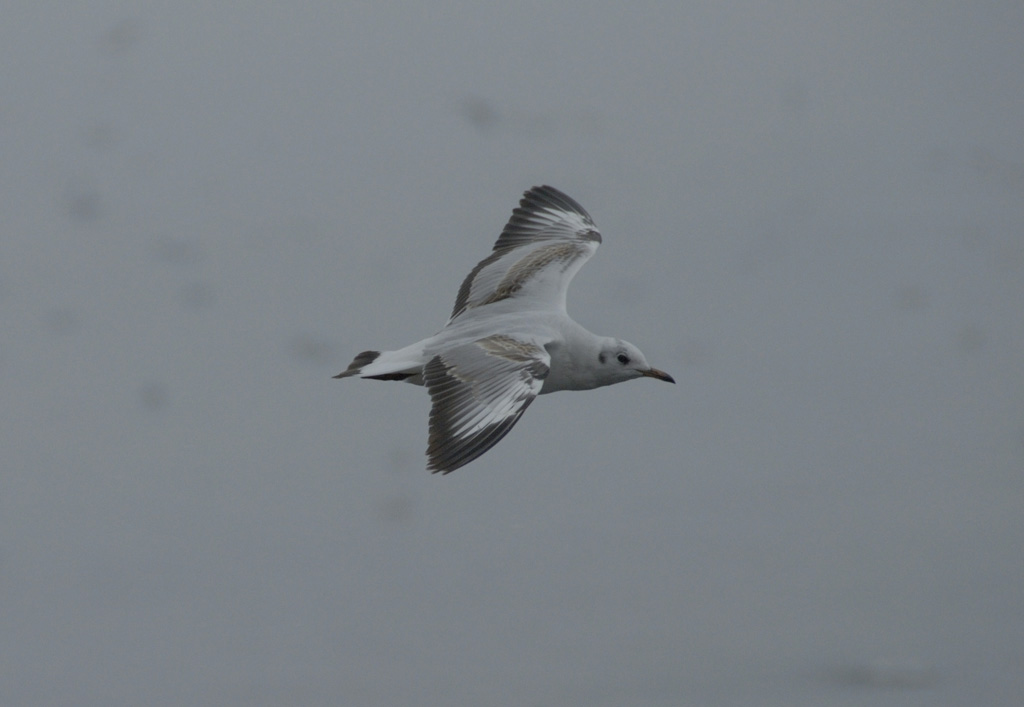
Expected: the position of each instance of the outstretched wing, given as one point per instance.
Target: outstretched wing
(544, 244)
(478, 391)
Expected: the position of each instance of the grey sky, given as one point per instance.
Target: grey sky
(813, 218)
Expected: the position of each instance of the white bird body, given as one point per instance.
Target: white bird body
(566, 371)
(509, 337)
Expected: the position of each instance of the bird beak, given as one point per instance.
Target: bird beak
(660, 375)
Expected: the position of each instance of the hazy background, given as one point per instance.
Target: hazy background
(813, 217)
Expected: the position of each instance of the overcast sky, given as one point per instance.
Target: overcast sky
(813, 218)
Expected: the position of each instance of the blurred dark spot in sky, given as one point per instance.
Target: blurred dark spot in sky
(796, 96)
(882, 676)
(63, 320)
(910, 297)
(396, 507)
(153, 396)
(312, 349)
(120, 37)
(102, 136)
(198, 294)
(1005, 172)
(83, 204)
(488, 117)
(971, 338)
(480, 113)
(178, 252)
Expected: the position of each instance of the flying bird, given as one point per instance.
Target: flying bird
(509, 338)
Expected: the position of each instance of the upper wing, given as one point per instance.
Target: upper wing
(544, 244)
(478, 391)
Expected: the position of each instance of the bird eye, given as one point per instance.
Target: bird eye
(623, 359)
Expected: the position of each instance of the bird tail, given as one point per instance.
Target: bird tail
(385, 366)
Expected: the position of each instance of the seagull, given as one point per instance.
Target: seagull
(509, 338)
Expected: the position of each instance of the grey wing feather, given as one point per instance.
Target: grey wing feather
(478, 392)
(545, 213)
(547, 239)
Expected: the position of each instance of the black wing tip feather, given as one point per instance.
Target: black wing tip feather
(445, 461)
(546, 195)
(539, 199)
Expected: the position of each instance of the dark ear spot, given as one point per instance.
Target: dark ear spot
(600, 357)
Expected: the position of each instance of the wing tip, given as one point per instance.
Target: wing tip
(547, 196)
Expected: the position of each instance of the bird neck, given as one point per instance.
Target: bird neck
(572, 367)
